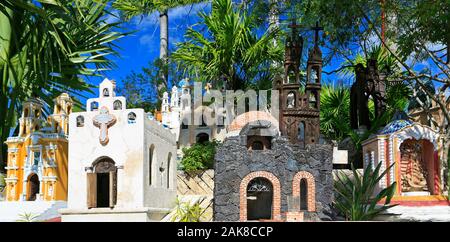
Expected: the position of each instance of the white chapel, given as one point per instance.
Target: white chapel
(122, 163)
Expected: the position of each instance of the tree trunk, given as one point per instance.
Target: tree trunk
(164, 45)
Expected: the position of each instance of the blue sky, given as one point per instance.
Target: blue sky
(140, 48)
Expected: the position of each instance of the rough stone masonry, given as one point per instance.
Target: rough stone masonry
(284, 160)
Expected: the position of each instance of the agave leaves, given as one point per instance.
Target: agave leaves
(355, 195)
(45, 49)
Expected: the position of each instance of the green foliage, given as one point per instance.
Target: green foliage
(187, 212)
(46, 47)
(355, 197)
(133, 8)
(199, 157)
(229, 50)
(27, 217)
(334, 111)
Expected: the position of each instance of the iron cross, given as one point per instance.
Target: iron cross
(103, 121)
(316, 29)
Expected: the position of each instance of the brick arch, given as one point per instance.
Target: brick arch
(310, 182)
(276, 200)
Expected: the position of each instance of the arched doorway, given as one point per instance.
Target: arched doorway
(102, 184)
(418, 171)
(33, 187)
(259, 199)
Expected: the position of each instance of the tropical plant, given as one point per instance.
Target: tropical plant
(200, 156)
(355, 195)
(46, 46)
(229, 50)
(187, 212)
(27, 217)
(334, 111)
(133, 8)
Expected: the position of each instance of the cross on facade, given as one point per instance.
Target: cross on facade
(316, 29)
(103, 121)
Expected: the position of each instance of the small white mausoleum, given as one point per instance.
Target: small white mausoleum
(122, 163)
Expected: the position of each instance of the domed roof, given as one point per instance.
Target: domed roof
(395, 126)
(240, 121)
(399, 122)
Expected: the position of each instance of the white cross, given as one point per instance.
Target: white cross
(103, 121)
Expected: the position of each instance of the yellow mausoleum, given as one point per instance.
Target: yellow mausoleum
(37, 158)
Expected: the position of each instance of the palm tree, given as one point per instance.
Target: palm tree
(45, 48)
(229, 50)
(133, 8)
(334, 110)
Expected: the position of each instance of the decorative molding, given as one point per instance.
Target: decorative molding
(13, 150)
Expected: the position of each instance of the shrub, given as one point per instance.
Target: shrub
(186, 212)
(199, 157)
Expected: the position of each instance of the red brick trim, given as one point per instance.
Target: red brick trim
(311, 188)
(276, 202)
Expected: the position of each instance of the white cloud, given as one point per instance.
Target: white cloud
(146, 40)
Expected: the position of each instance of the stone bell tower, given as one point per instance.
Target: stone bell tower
(300, 111)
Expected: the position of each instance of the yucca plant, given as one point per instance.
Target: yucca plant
(187, 212)
(27, 217)
(355, 198)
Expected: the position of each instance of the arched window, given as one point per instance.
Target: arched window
(303, 194)
(80, 121)
(301, 131)
(169, 170)
(290, 100)
(36, 113)
(117, 105)
(105, 92)
(25, 113)
(292, 77)
(184, 123)
(94, 106)
(131, 118)
(312, 100)
(151, 153)
(202, 138)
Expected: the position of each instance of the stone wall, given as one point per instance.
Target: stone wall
(234, 162)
